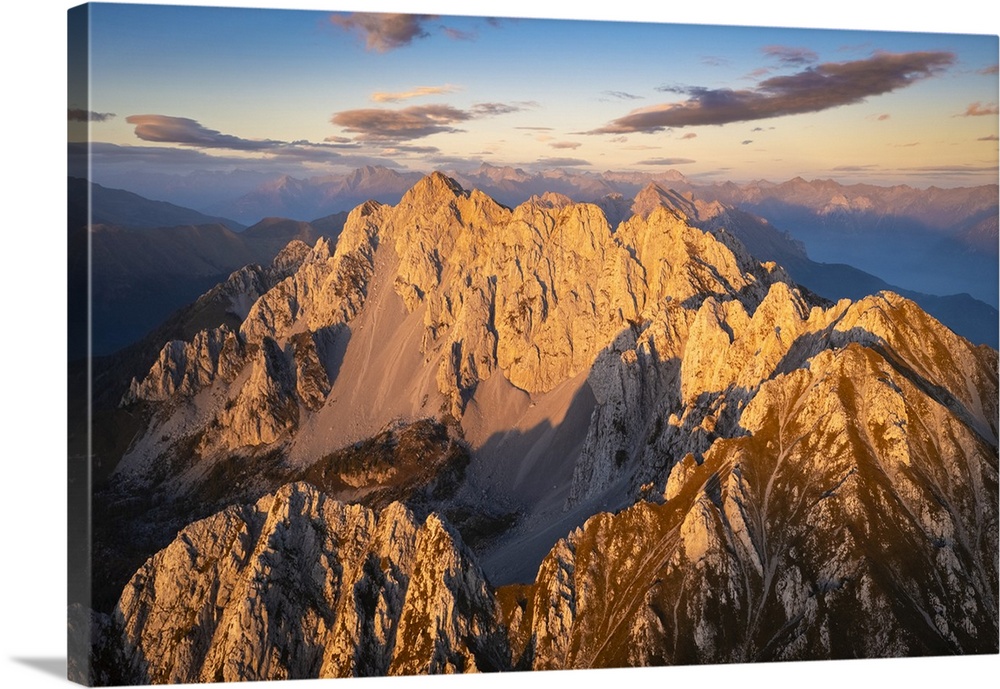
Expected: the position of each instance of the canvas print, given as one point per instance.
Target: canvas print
(406, 344)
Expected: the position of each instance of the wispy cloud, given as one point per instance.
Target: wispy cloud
(951, 169)
(689, 135)
(491, 109)
(419, 150)
(458, 34)
(665, 161)
(714, 61)
(789, 55)
(622, 95)
(385, 97)
(991, 137)
(855, 168)
(565, 144)
(536, 129)
(992, 70)
(561, 162)
(188, 132)
(191, 134)
(384, 32)
(979, 110)
(144, 158)
(79, 115)
(814, 89)
(746, 142)
(414, 122)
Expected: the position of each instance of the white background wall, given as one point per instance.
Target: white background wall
(32, 329)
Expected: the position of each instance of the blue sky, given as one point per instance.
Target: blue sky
(312, 92)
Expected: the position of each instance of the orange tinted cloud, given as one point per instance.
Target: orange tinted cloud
(383, 97)
(979, 110)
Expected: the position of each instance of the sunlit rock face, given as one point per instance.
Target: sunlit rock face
(835, 528)
(756, 473)
(299, 586)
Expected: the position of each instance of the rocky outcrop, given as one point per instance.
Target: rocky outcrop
(534, 294)
(183, 368)
(792, 478)
(856, 518)
(299, 586)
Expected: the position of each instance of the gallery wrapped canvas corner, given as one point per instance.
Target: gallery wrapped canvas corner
(407, 344)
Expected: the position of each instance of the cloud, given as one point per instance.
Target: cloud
(714, 61)
(561, 162)
(383, 97)
(384, 32)
(565, 144)
(622, 95)
(339, 139)
(814, 89)
(907, 145)
(460, 162)
(690, 135)
(375, 124)
(536, 129)
(490, 109)
(188, 132)
(883, 117)
(106, 153)
(414, 122)
(789, 55)
(666, 161)
(746, 142)
(290, 158)
(979, 110)
(420, 150)
(991, 137)
(951, 169)
(855, 168)
(79, 115)
(757, 129)
(458, 34)
(992, 70)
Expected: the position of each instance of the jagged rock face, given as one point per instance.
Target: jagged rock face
(184, 368)
(676, 328)
(666, 396)
(535, 294)
(300, 586)
(839, 526)
(797, 479)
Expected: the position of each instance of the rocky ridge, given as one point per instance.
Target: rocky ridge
(298, 586)
(788, 478)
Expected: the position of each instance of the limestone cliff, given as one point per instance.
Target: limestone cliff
(674, 452)
(298, 586)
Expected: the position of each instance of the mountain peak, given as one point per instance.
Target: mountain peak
(654, 196)
(436, 185)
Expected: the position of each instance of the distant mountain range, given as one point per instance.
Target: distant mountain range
(150, 258)
(167, 268)
(935, 241)
(124, 209)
